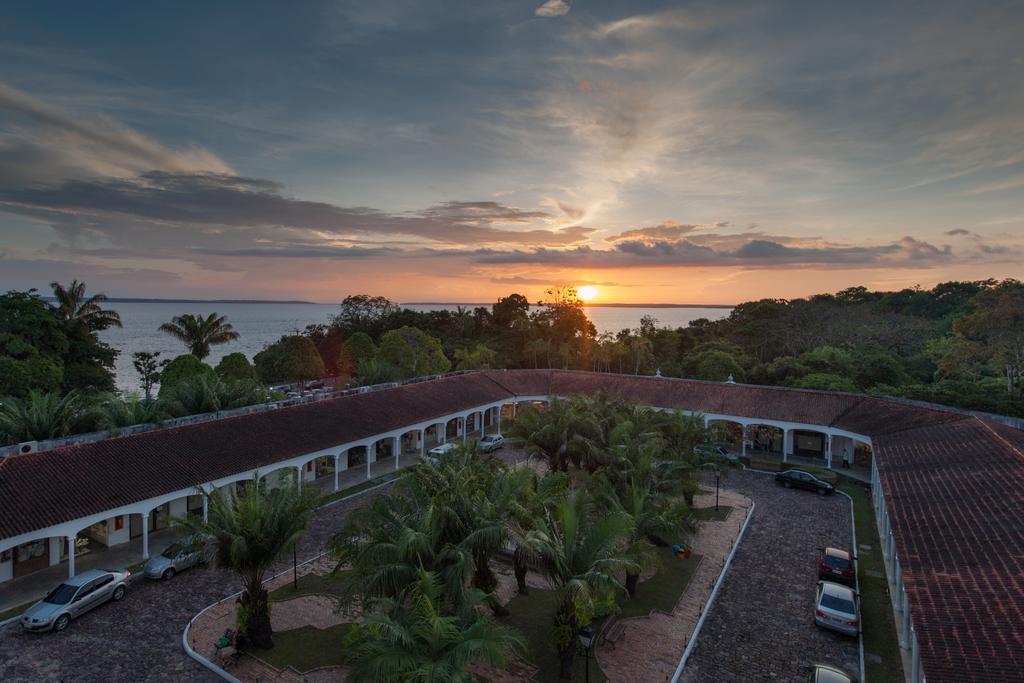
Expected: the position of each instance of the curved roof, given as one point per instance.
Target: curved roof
(954, 482)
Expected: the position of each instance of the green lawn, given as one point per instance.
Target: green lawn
(718, 515)
(15, 611)
(876, 611)
(311, 584)
(533, 614)
(306, 648)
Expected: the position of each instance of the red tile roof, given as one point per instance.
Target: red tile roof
(954, 483)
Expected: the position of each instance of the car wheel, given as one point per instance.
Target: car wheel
(119, 593)
(169, 574)
(787, 484)
(61, 623)
(821, 492)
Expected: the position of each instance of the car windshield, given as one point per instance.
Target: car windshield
(837, 562)
(61, 595)
(173, 551)
(837, 604)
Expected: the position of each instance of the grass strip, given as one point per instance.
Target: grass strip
(880, 638)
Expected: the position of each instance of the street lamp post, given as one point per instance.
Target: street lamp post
(295, 567)
(718, 478)
(586, 636)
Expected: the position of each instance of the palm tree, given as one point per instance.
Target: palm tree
(648, 490)
(384, 544)
(419, 640)
(199, 333)
(42, 416)
(75, 309)
(562, 434)
(581, 554)
(202, 394)
(115, 413)
(246, 533)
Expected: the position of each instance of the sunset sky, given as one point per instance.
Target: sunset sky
(459, 151)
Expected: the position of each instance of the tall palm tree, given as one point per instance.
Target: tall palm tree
(246, 533)
(419, 640)
(199, 333)
(648, 490)
(42, 416)
(582, 552)
(562, 434)
(74, 308)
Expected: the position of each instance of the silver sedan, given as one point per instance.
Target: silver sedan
(75, 597)
(177, 557)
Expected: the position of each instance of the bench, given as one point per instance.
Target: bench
(613, 633)
(226, 655)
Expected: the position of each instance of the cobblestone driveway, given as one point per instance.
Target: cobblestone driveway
(139, 639)
(761, 627)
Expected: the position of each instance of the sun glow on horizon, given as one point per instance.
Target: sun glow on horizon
(586, 292)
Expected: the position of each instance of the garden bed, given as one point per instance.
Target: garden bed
(305, 648)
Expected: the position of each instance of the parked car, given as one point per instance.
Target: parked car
(837, 565)
(823, 673)
(491, 442)
(436, 452)
(177, 557)
(836, 608)
(75, 597)
(803, 480)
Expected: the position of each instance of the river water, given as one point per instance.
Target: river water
(260, 324)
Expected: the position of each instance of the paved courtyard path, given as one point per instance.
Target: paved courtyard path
(761, 626)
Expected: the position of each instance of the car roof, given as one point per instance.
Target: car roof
(836, 552)
(86, 576)
(837, 590)
(830, 674)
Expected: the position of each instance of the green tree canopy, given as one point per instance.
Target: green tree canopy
(182, 369)
(414, 352)
(292, 358)
(236, 366)
(33, 345)
(825, 381)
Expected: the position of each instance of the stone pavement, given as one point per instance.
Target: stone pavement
(650, 647)
(139, 639)
(761, 626)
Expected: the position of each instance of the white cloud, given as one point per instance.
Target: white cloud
(552, 8)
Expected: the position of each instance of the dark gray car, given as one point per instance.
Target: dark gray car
(75, 597)
(175, 558)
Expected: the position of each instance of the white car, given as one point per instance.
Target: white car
(444, 449)
(836, 608)
(491, 442)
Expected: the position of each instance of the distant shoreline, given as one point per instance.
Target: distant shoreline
(134, 300)
(457, 303)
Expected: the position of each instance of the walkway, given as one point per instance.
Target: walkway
(25, 589)
(761, 626)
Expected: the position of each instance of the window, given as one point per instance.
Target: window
(837, 604)
(61, 595)
(118, 522)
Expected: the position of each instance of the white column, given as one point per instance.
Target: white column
(743, 440)
(465, 425)
(145, 536)
(423, 442)
(787, 445)
(443, 433)
(370, 449)
(298, 477)
(71, 555)
(828, 450)
(915, 658)
(337, 461)
(206, 506)
(397, 448)
(905, 630)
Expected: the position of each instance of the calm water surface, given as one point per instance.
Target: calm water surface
(261, 324)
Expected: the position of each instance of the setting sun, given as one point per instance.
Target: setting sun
(587, 293)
